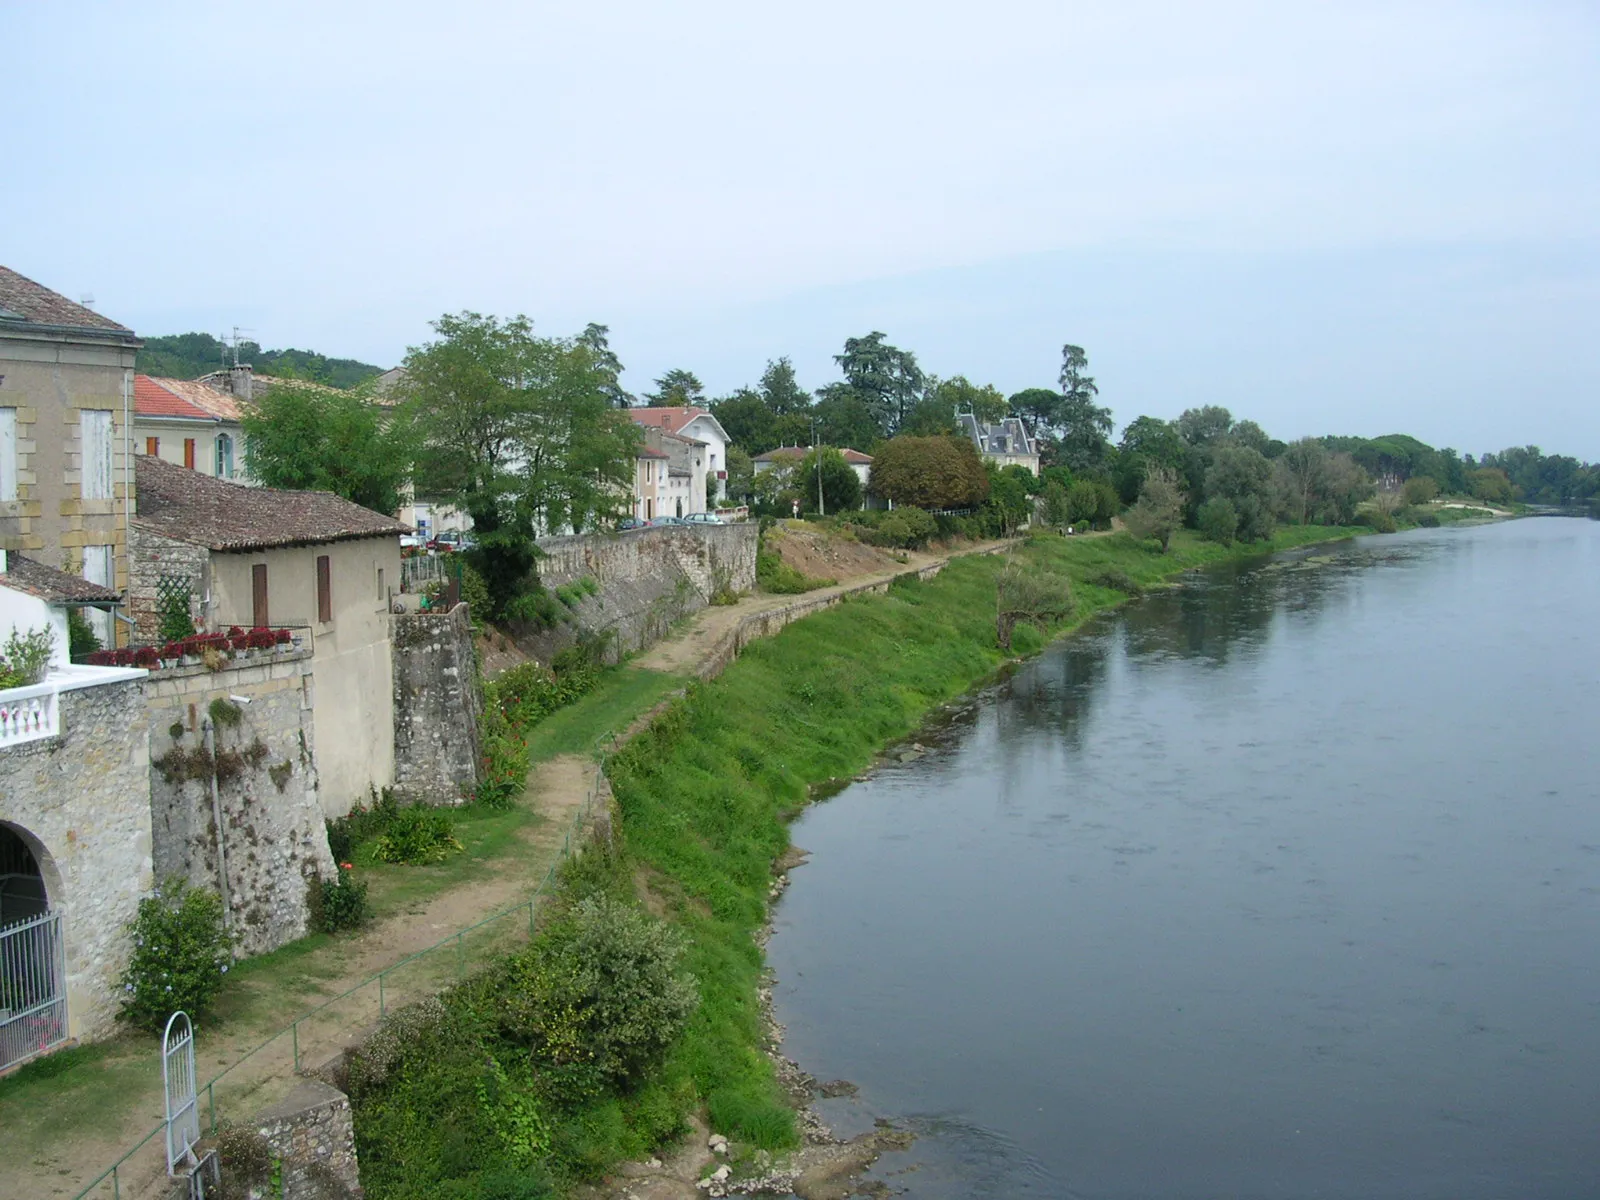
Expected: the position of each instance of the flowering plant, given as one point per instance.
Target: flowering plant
(180, 954)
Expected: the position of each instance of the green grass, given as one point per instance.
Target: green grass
(622, 694)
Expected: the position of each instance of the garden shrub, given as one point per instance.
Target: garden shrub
(337, 904)
(26, 659)
(903, 529)
(180, 954)
(417, 834)
(361, 824)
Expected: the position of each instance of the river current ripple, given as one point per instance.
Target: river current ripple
(1284, 883)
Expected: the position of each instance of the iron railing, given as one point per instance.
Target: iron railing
(33, 994)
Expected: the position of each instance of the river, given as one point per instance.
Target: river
(1282, 883)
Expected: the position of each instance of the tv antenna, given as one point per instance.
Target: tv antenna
(233, 343)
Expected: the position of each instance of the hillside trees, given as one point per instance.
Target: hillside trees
(930, 472)
(304, 435)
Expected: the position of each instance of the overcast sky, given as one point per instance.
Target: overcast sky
(1331, 217)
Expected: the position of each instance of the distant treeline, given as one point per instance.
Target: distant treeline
(189, 355)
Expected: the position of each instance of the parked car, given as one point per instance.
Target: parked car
(451, 540)
(702, 518)
(631, 523)
(412, 541)
(669, 521)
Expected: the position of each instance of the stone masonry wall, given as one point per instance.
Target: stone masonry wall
(274, 837)
(311, 1133)
(81, 801)
(437, 707)
(648, 579)
(152, 556)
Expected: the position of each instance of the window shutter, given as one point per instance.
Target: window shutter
(188, 453)
(152, 446)
(324, 589)
(94, 442)
(258, 595)
(8, 454)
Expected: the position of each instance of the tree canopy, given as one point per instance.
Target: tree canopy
(885, 378)
(304, 435)
(930, 472)
(190, 355)
(677, 388)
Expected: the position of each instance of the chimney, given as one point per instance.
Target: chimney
(239, 381)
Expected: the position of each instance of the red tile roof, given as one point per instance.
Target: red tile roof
(22, 301)
(850, 456)
(150, 399)
(187, 506)
(668, 419)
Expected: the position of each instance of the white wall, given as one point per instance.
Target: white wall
(21, 612)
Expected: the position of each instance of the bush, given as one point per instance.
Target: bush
(26, 659)
(81, 637)
(339, 904)
(417, 834)
(1420, 489)
(1380, 521)
(1428, 520)
(180, 954)
(475, 592)
(536, 607)
(346, 834)
(904, 528)
(600, 997)
(1117, 580)
(1218, 520)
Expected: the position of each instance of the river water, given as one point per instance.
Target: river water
(1284, 883)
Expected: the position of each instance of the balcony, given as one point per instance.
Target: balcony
(30, 714)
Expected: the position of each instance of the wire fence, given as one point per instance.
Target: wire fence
(320, 1034)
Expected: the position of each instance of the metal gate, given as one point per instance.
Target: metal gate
(33, 995)
(177, 1074)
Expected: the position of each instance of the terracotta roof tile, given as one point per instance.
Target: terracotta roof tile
(53, 586)
(151, 399)
(669, 419)
(207, 402)
(187, 506)
(24, 302)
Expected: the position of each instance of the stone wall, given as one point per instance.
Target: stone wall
(81, 802)
(648, 579)
(150, 557)
(311, 1137)
(274, 838)
(437, 707)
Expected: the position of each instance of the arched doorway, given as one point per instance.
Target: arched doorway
(33, 1002)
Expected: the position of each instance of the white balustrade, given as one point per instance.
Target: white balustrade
(29, 713)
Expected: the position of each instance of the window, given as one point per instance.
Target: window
(324, 589)
(383, 595)
(94, 442)
(224, 456)
(8, 454)
(152, 446)
(188, 453)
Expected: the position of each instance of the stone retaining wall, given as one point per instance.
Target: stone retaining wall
(437, 708)
(274, 840)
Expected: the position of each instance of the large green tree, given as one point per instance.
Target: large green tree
(825, 470)
(845, 418)
(519, 431)
(597, 338)
(304, 435)
(1082, 427)
(886, 378)
(675, 389)
(781, 391)
(930, 472)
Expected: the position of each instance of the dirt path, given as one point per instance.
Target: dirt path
(61, 1160)
(686, 651)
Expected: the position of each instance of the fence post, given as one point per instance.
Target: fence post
(211, 1102)
(380, 994)
(295, 1028)
(461, 962)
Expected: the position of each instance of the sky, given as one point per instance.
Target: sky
(1341, 217)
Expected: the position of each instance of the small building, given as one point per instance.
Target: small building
(649, 482)
(1005, 443)
(788, 457)
(253, 556)
(66, 469)
(189, 424)
(709, 482)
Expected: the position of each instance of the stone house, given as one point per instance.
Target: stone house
(649, 482)
(252, 556)
(75, 836)
(189, 424)
(1004, 443)
(66, 464)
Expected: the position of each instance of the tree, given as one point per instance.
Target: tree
(1302, 469)
(1244, 477)
(1490, 485)
(1010, 497)
(1037, 407)
(741, 474)
(597, 339)
(1082, 427)
(677, 389)
(304, 435)
(886, 378)
(840, 485)
(520, 432)
(1201, 426)
(844, 418)
(930, 472)
(781, 391)
(748, 420)
(1218, 520)
(1420, 489)
(1160, 507)
(1147, 442)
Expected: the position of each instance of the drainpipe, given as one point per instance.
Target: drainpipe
(127, 494)
(216, 817)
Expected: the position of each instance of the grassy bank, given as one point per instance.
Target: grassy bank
(704, 798)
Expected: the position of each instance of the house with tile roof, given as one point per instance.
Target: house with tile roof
(788, 457)
(257, 556)
(66, 399)
(709, 482)
(190, 424)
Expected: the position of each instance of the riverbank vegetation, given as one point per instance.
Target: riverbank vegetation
(702, 801)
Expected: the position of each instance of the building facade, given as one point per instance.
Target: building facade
(190, 425)
(1005, 443)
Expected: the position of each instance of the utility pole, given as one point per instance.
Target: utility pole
(817, 450)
